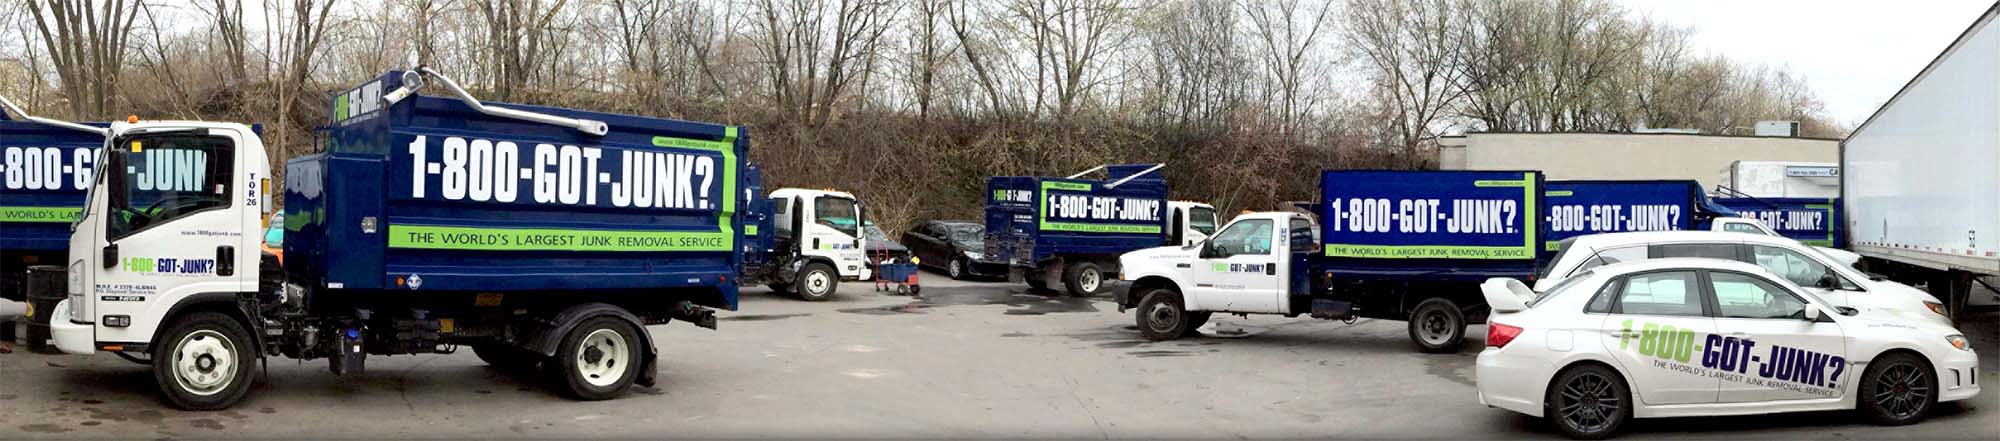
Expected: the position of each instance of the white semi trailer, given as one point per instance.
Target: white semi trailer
(1921, 178)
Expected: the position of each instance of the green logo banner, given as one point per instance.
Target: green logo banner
(39, 214)
(550, 239)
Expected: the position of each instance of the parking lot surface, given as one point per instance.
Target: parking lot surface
(970, 360)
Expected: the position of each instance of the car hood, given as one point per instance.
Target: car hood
(885, 245)
(1891, 298)
(1884, 319)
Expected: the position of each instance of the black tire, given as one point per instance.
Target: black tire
(1161, 315)
(1898, 389)
(957, 268)
(817, 282)
(1195, 320)
(507, 357)
(216, 352)
(1083, 279)
(586, 362)
(1583, 384)
(1437, 326)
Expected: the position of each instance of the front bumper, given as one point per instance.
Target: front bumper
(70, 337)
(1121, 293)
(1958, 375)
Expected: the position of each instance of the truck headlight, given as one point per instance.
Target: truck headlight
(1958, 341)
(74, 279)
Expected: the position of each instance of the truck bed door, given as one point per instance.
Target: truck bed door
(1240, 268)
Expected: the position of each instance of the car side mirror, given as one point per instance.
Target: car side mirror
(1828, 281)
(1812, 313)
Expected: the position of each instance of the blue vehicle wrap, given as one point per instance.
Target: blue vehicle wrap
(47, 172)
(1814, 221)
(427, 194)
(1577, 208)
(1430, 224)
(1033, 219)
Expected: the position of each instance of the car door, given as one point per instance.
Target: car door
(1238, 271)
(1767, 350)
(1806, 272)
(918, 241)
(1655, 329)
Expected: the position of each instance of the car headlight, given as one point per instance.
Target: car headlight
(1958, 341)
(974, 255)
(1936, 307)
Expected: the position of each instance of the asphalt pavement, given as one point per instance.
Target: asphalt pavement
(970, 360)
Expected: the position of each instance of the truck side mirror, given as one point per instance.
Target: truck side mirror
(110, 256)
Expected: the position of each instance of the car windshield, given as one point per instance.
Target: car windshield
(968, 234)
(874, 233)
(1202, 219)
(1561, 286)
(1550, 265)
(275, 236)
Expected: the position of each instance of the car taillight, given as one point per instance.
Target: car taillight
(1499, 335)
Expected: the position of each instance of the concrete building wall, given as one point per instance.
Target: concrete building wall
(1625, 156)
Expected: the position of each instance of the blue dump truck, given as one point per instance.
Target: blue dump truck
(543, 239)
(1397, 245)
(1070, 231)
(46, 170)
(1577, 208)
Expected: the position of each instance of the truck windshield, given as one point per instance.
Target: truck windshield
(166, 176)
(837, 212)
(1202, 219)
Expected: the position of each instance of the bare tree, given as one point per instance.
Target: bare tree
(86, 40)
(518, 36)
(1403, 42)
(1287, 33)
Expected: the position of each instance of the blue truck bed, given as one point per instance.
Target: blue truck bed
(1577, 208)
(46, 171)
(1032, 219)
(1814, 221)
(426, 194)
(1430, 225)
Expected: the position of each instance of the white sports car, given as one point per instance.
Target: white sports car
(1691, 336)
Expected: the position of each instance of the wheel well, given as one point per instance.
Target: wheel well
(1928, 366)
(224, 303)
(1629, 390)
(1139, 287)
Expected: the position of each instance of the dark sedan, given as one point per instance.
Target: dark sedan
(956, 248)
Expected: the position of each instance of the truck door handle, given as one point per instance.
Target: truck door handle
(1625, 334)
(1270, 269)
(110, 256)
(225, 260)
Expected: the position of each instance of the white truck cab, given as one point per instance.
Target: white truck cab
(1191, 222)
(172, 215)
(1246, 267)
(825, 227)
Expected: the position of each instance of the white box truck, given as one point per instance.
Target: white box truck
(1921, 178)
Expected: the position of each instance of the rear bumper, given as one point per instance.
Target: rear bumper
(1511, 383)
(71, 337)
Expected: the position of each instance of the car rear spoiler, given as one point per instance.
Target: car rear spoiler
(1506, 294)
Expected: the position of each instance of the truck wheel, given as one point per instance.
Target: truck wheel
(1162, 316)
(817, 282)
(1898, 389)
(507, 357)
(956, 269)
(205, 364)
(598, 359)
(1195, 320)
(1083, 279)
(1588, 401)
(1437, 326)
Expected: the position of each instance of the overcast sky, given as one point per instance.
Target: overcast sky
(1854, 53)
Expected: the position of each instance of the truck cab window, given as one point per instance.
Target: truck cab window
(836, 212)
(1246, 237)
(155, 179)
(1202, 219)
(782, 213)
(1304, 237)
